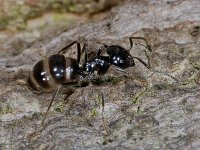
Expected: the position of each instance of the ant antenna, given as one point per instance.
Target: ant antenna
(147, 46)
(147, 66)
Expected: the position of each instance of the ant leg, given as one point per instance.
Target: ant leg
(147, 46)
(64, 49)
(50, 104)
(39, 129)
(85, 50)
(78, 52)
(99, 51)
(105, 46)
(146, 65)
(102, 100)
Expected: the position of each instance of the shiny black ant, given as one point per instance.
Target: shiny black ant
(57, 70)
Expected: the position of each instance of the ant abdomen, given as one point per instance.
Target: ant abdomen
(53, 71)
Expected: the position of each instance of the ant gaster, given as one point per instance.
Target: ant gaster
(53, 72)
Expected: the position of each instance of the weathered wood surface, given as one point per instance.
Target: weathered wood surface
(144, 111)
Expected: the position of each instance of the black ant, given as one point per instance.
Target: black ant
(57, 70)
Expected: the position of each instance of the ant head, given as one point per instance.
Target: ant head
(120, 57)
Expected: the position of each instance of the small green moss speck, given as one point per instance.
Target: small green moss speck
(5, 110)
(195, 65)
(3, 146)
(138, 95)
(93, 113)
(59, 108)
(3, 23)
